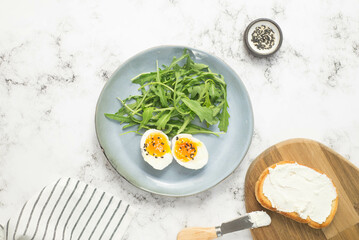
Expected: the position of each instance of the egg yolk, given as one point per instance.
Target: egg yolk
(185, 149)
(156, 145)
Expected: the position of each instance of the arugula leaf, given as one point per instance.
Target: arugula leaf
(129, 125)
(117, 117)
(143, 78)
(217, 109)
(187, 120)
(194, 91)
(199, 66)
(161, 123)
(171, 98)
(194, 129)
(223, 120)
(146, 115)
(203, 113)
(160, 90)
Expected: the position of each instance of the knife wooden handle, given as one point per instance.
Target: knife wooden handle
(197, 233)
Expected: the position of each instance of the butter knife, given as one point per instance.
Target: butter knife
(250, 220)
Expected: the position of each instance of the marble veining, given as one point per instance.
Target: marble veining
(55, 57)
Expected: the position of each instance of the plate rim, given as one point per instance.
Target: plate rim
(251, 122)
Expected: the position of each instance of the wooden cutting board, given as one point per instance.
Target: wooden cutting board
(345, 225)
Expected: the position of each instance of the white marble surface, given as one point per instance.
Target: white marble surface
(55, 57)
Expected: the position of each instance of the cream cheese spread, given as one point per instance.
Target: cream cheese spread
(259, 219)
(292, 187)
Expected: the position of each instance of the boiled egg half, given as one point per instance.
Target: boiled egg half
(189, 152)
(156, 149)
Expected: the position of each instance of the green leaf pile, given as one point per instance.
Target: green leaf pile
(172, 97)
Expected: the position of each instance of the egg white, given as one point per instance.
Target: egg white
(156, 163)
(201, 158)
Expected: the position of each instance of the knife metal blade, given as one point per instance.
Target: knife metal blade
(236, 225)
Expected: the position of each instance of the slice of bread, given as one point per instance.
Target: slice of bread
(264, 201)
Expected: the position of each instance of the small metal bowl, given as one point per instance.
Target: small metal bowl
(257, 45)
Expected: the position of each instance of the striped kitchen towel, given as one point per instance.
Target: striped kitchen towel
(70, 209)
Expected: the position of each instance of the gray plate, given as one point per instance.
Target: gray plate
(123, 152)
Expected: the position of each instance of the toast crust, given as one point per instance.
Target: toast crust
(264, 201)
